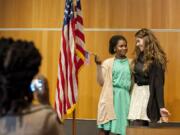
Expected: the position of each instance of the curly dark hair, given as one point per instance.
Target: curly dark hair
(4, 45)
(19, 63)
(113, 42)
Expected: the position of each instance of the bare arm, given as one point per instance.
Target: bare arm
(100, 70)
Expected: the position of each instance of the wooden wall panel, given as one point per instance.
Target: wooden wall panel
(161, 14)
(97, 13)
(31, 13)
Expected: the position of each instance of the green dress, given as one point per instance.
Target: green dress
(121, 80)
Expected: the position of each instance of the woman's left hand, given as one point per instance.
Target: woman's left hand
(164, 114)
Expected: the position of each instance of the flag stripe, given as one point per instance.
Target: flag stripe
(63, 67)
(79, 19)
(80, 35)
(59, 103)
(80, 49)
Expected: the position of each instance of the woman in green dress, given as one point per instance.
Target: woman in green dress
(115, 78)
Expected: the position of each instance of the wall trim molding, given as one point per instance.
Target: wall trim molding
(89, 29)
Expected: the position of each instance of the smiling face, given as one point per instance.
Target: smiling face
(121, 48)
(140, 43)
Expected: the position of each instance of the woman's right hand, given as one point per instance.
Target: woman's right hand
(97, 60)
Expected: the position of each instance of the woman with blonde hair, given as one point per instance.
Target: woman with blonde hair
(149, 65)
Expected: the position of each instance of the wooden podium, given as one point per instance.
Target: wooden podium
(172, 128)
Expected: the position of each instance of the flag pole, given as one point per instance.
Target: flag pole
(74, 122)
(74, 111)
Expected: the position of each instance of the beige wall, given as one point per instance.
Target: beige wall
(102, 14)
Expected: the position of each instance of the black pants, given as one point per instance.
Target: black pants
(103, 132)
(139, 123)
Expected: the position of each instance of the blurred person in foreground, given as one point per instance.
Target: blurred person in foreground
(19, 63)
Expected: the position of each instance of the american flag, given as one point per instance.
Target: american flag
(71, 58)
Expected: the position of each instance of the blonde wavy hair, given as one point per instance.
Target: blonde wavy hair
(153, 52)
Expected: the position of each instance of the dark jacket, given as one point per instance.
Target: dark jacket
(156, 100)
